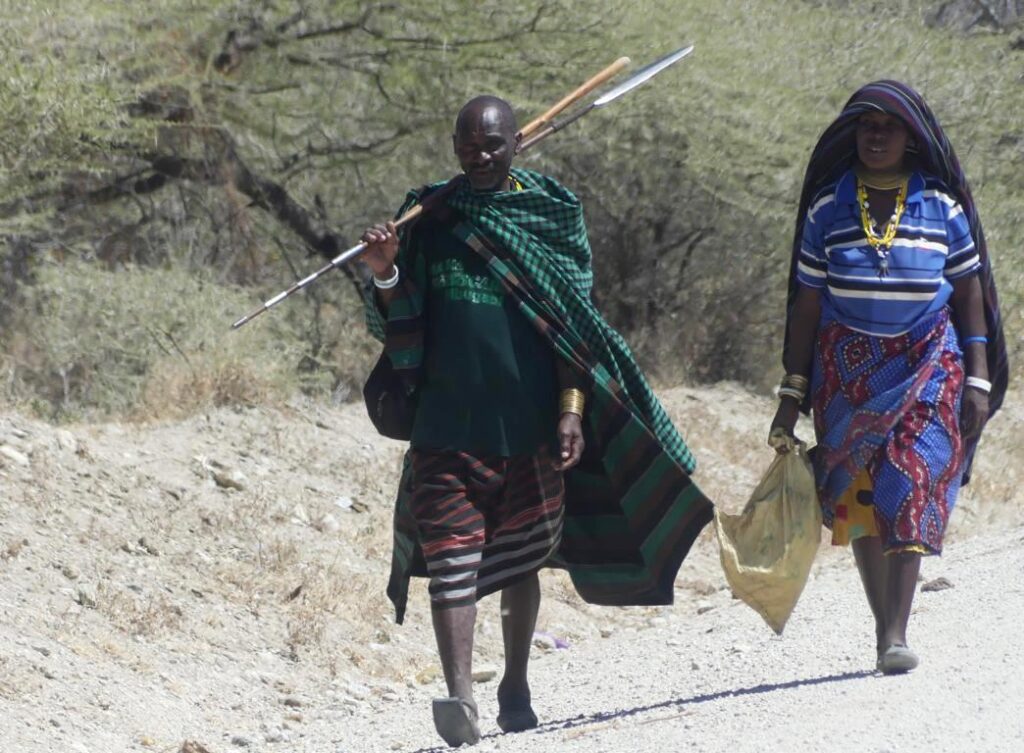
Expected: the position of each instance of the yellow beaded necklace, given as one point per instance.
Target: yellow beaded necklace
(881, 241)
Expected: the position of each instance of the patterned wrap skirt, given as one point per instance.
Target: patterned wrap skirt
(484, 523)
(886, 416)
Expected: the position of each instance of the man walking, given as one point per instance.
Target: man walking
(536, 440)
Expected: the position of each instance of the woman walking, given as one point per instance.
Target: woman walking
(893, 338)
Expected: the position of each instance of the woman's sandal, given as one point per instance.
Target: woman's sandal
(897, 659)
(455, 721)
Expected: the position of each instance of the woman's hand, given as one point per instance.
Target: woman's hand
(381, 249)
(784, 422)
(973, 412)
(570, 439)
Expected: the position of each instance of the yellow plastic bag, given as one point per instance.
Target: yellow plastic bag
(767, 550)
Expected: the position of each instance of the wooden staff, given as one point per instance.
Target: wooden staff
(582, 91)
(346, 256)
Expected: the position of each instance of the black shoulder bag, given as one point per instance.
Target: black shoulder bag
(390, 401)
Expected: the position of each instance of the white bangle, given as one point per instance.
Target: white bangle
(388, 283)
(978, 383)
(793, 393)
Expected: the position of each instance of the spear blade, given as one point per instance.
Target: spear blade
(644, 74)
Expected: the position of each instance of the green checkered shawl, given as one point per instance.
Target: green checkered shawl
(632, 511)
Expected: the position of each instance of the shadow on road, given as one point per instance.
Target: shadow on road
(584, 720)
(600, 717)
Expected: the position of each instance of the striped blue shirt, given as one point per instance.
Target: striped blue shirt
(933, 246)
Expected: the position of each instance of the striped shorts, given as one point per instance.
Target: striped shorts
(484, 523)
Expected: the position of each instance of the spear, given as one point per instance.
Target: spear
(572, 97)
(644, 74)
(535, 131)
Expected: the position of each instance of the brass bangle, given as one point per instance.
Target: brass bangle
(572, 401)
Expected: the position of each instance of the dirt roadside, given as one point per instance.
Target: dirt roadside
(220, 580)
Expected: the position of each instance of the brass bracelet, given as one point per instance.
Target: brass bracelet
(572, 401)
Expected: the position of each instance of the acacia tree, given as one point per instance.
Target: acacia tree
(288, 107)
(233, 138)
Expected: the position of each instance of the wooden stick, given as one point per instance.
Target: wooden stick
(409, 216)
(582, 91)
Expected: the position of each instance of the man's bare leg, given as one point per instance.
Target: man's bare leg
(453, 629)
(519, 605)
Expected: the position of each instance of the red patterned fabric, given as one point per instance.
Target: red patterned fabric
(892, 406)
(484, 523)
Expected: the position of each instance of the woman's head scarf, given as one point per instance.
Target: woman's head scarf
(835, 153)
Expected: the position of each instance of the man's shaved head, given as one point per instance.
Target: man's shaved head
(485, 142)
(474, 109)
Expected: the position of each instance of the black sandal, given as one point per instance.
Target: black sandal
(455, 720)
(896, 660)
(516, 715)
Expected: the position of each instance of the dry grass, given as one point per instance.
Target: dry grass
(176, 390)
(12, 549)
(323, 591)
(136, 614)
(144, 343)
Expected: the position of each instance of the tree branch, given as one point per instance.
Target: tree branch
(343, 147)
(237, 42)
(428, 41)
(228, 167)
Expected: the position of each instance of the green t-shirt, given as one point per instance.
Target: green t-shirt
(489, 384)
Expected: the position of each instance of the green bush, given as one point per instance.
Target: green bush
(690, 183)
(148, 343)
